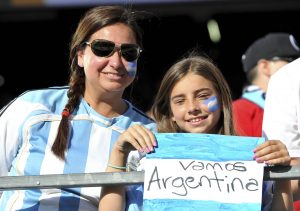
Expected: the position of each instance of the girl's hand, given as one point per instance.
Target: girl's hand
(272, 152)
(136, 137)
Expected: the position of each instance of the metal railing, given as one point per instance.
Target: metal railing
(113, 178)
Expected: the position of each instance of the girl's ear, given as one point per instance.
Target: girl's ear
(172, 118)
(80, 58)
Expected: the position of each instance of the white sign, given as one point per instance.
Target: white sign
(230, 182)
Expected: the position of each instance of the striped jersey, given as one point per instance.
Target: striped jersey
(28, 127)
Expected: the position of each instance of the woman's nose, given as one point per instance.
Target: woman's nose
(116, 59)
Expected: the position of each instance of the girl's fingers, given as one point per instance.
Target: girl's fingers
(265, 145)
(272, 152)
(274, 158)
(269, 147)
(281, 161)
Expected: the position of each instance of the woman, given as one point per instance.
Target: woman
(63, 130)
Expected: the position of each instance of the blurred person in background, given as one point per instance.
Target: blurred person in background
(264, 57)
(282, 114)
(260, 61)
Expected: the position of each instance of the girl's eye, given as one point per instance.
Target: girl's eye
(179, 101)
(203, 96)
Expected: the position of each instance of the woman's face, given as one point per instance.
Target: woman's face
(194, 105)
(108, 74)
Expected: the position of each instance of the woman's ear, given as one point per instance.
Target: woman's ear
(80, 58)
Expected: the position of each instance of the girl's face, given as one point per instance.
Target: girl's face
(108, 74)
(194, 105)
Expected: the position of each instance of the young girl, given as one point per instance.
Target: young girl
(195, 98)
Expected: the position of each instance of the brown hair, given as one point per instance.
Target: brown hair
(199, 65)
(93, 20)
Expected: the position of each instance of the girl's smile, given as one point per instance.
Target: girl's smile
(191, 103)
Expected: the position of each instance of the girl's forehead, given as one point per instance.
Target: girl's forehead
(191, 82)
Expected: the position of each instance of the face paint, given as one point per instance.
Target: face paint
(131, 68)
(212, 103)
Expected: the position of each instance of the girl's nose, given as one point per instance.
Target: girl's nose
(194, 107)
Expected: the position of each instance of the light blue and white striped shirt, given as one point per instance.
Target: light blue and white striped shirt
(28, 127)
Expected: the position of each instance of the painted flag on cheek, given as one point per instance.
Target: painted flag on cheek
(203, 172)
(132, 68)
(212, 104)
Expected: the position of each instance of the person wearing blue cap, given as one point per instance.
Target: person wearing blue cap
(260, 61)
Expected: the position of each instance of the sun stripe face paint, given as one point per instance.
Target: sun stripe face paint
(212, 103)
(132, 68)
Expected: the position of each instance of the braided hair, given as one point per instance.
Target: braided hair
(94, 19)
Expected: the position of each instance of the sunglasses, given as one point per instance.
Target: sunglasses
(106, 48)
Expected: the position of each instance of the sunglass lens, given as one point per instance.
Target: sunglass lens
(102, 48)
(130, 52)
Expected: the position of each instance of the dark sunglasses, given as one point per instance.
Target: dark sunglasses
(106, 48)
(286, 59)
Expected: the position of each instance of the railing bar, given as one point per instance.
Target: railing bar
(112, 178)
(70, 180)
(281, 172)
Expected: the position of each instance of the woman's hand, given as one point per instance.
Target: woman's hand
(137, 137)
(272, 152)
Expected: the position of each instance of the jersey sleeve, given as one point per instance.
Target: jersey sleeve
(10, 120)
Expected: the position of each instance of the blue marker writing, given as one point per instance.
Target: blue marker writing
(132, 68)
(212, 103)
